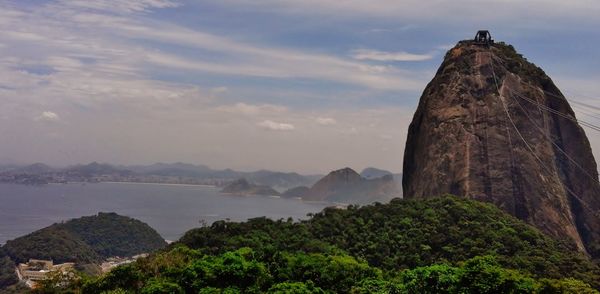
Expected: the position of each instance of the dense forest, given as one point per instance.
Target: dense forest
(442, 245)
(87, 240)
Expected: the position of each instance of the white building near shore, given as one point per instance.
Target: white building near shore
(36, 270)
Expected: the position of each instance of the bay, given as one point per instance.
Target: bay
(169, 209)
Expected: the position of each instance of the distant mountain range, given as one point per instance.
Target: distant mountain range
(343, 186)
(347, 186)
(176, 173)
(274, 179)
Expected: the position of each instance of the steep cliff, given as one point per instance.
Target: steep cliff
(493, 127)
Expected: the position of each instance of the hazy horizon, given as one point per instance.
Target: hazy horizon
(324, 172)
(303, 86)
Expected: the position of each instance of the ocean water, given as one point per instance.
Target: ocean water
(169, 209)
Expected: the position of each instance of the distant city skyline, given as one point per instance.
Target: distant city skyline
(306, 86)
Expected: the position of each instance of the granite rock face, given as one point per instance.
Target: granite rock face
(493, 127)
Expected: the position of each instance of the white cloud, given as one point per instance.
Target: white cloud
(108, 56)
(24, 36)
(120, 6)
(275, 126)
(219, 90)
(325, 121)
(250, 59)
(367, 54)
(82, 29)
(438, 11)
(63, 63)
(297, 65)
(445, 47)
(251, 109)
(48, 116)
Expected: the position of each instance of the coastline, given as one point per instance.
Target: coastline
(331, 204)
(144, 183)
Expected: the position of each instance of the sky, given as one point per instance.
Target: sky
(291, 85)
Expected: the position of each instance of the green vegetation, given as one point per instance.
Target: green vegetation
(7, 272)
(51, 243)
(110, 234)
(406, 234)
(518, 64)
(86, 240)
(442, 245)
(240, 271)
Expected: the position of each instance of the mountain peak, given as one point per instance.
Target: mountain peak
(492, 126)
(346, 185)
(346, 174)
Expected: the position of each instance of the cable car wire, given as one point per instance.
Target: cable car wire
(543, 132)
(583, 203)
(572, 101)
(549, 109)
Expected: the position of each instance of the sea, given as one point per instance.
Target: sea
(169, 209)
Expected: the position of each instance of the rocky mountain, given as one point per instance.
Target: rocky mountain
(243, 187)
(347, 186)
(371, 173)
(492, 126)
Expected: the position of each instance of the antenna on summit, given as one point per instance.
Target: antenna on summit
(483, 37)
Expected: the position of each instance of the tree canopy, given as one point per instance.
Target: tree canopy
(442, 245)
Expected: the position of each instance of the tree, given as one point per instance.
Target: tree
(295, 288)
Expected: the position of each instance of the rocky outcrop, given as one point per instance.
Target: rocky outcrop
(297, 192)
(492, 126)
(347, 186)
(243, 187)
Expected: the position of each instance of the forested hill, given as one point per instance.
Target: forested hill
(86, 240)
(440, 245)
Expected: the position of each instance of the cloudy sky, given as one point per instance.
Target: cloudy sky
(293, 85)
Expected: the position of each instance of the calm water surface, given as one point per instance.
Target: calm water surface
(170, 209)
